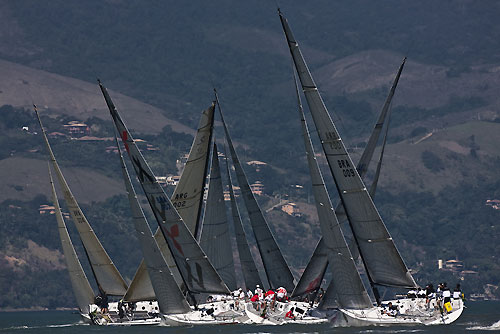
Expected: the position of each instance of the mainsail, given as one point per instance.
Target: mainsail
(168, 294)
(81, 287)
(187, 198)
(215, 238)
(248, 267)
(347, 285)
(315, 269)
(277, 270)
(379, 254)
(106, 274)
(197, 272)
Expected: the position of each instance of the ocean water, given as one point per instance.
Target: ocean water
(478, 317)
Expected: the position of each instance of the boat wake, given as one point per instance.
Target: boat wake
(7, 329)
(494, 327)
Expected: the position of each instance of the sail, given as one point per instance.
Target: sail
(248, 267)
(379, 253)
(169, 296)
(317, 264)
(106, 274)
(187, 198)
(277, 271)
(81, 287)
(347, 285)
(215, 238)
(197, 272)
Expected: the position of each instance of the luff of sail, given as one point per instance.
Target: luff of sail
(277, 271)
(197, 272)
(347, 285)
(106, 274)
(379, 253)
(187, 198)
(248, 267)
(81, 287)
(215, 239)
(316, 267)
(169, 296)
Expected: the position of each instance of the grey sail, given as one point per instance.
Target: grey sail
(169, 296)
(277, 271)
(347, 285)
(81, 287)
(106, 274)
(316, 267)
(198, 274)
(215, 238)
(187, 198)
(379, 253)
(248, 267)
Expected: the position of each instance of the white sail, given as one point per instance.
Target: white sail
(215, 238)
(169, 296)
(379, 253)
(107, 276)
(81, 287)
(197, 272)
(187, 198)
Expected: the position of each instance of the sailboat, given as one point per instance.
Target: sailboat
(383, 263)
(197, 273)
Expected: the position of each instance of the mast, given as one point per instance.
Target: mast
(107, 276)
(81, 287)
(379, 254)
(277, 271)
(198, 274)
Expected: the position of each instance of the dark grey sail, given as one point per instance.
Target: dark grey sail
(198, 274)
(169, 296)
(379, 254)
(347, 285)
(313, 274)
(215, 238)
(277, 271)
(187, 198)
(106, 274)
(81, 287)
(248, 267)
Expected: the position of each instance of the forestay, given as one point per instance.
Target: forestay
(277, 271)
(187, 198)
(383, 261)
(197, 272)
(348, 288)
(312, 276)
(105, 272)
(215, 238)
(248, 267)
(169, 296)
(79, 282)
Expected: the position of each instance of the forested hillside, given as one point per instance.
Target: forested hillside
(440, 166)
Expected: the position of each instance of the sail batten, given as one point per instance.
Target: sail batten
(81, 287)
(197, 272)
(277, 271)
(107, 276)
(383, 261)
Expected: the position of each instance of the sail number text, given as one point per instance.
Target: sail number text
(347, 170)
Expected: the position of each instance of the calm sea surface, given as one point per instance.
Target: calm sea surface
(479, 317)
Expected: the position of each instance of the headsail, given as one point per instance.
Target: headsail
(215, 238)
(309, 281)
(347, 285)
(379, 253)
(168, 294)
(196, 270)
(248, 267)
(277, 270)
(81, 287)
(107, 275)
(187, 198)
